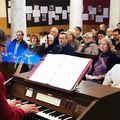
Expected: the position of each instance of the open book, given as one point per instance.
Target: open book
(62, 71)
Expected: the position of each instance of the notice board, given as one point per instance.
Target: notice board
(44, 12)
(96, 11)
(56, 12)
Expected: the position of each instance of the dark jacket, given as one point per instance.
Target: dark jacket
(111, 60)
(67, 49)
(38, 50)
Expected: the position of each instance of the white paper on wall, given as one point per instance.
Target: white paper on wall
(99, 18)
(64, 14)
(50, 21)
(68, 9)
(85, 16)
(36, 13)
(92, 11)
(28, 9)
(36, 19)
(52, 14)
(105, 12)
(36, 7)
(44, 9)
(29, 17)
(58, 10)
(57, 17)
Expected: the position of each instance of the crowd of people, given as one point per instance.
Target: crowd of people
(102, 43)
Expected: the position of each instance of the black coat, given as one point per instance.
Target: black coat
(111, 61)
(67, 49)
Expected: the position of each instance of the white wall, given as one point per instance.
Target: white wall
(114, 13)
(2, 8)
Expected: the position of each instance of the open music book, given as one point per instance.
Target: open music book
(61, 71)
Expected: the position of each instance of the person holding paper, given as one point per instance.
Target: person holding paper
(63, 47)
(103, 62)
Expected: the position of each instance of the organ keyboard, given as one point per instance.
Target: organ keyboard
(89, 101)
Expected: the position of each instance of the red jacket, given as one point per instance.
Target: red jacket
(6, 112)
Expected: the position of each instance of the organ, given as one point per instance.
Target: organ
(88, 101)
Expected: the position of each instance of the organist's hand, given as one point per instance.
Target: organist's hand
(29, 108)
(14, 102)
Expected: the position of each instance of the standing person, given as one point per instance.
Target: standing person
(63, 47)
(9, 110)
(18, 45)
(103, 62)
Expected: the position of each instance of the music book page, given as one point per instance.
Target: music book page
(62, 71)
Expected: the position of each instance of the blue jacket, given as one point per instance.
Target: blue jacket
(21, 48)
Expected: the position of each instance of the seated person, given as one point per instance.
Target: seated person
(78, 31)
(18, 45)
(103, 62)
(16, 48)
(34, 47)
(112, 78)
(10, 110)
(54, 32)
(63, 47)
(33, 54)
(100, 35)
(116, 39)
(49, 40)
(89, 46)
(72, 40)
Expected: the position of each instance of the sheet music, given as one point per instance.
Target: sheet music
(61, 71)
